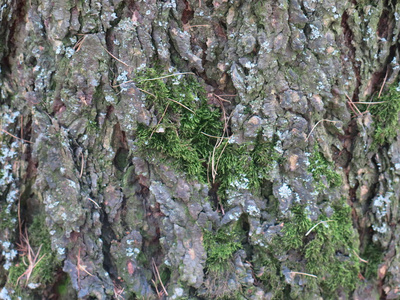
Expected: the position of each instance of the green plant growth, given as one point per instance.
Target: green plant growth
(323, 171)
(374, 255)
(220, 247)
(7, 218)
(240, 167)
(328, 249)
(179, 132)
(187, 133)
(44, 270)
(386, 116)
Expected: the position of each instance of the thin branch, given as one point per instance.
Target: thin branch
(222, 99)
(159, 295)
(165, 110)
(27, 251)
(166, 76)
(370, 102)
(323, 120)
(6, 132)
(94, 202)
(353, 106)
(306, 274)
(219, 158)
(118, 291)
(117, 59)
(82, 163)
(308, 232)
(79, 43)
(362, 260)
(184, 106)
(214, 136)
(150, 79)
(158, 276)
(81, 267)
(383, 84)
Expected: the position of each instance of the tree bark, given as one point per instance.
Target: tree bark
(191, 149)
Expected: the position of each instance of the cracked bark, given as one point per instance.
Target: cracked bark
(111, 212)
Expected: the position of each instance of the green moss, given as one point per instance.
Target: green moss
(92, 126)
(386, 116)
(323, 171)
(241, 167)
(7, 219)
(220, 247)
(185, 137)
(269, 271)
(327, 249)
(327, 252)
(374, 255)
(62, 287)
(179, 135)
(45, 269)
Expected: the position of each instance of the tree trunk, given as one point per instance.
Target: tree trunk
(191, 149)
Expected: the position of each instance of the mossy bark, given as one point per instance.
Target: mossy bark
(192, 149)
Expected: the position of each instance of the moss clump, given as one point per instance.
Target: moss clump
(179, 134)
(7, 218)
(386, 116)
(323, 171)
(44, 270)
(374, 255)
(220, 247)
(247, 165)
(186, 135)
(327, 249)
(269, 271)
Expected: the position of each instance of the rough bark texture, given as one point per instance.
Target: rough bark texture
(127, 200)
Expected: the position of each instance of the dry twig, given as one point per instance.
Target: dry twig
(166, 76)
(165, 110)
(353, 107)
(184, 106)
(81, 267)
(6, 132)
(321, 222)
(323, 120)
(118, 290)
(158, 278)
(301, 273)
(25, 248)
(362, 260)
(82, 163)
(79, 43)
(98, 206)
